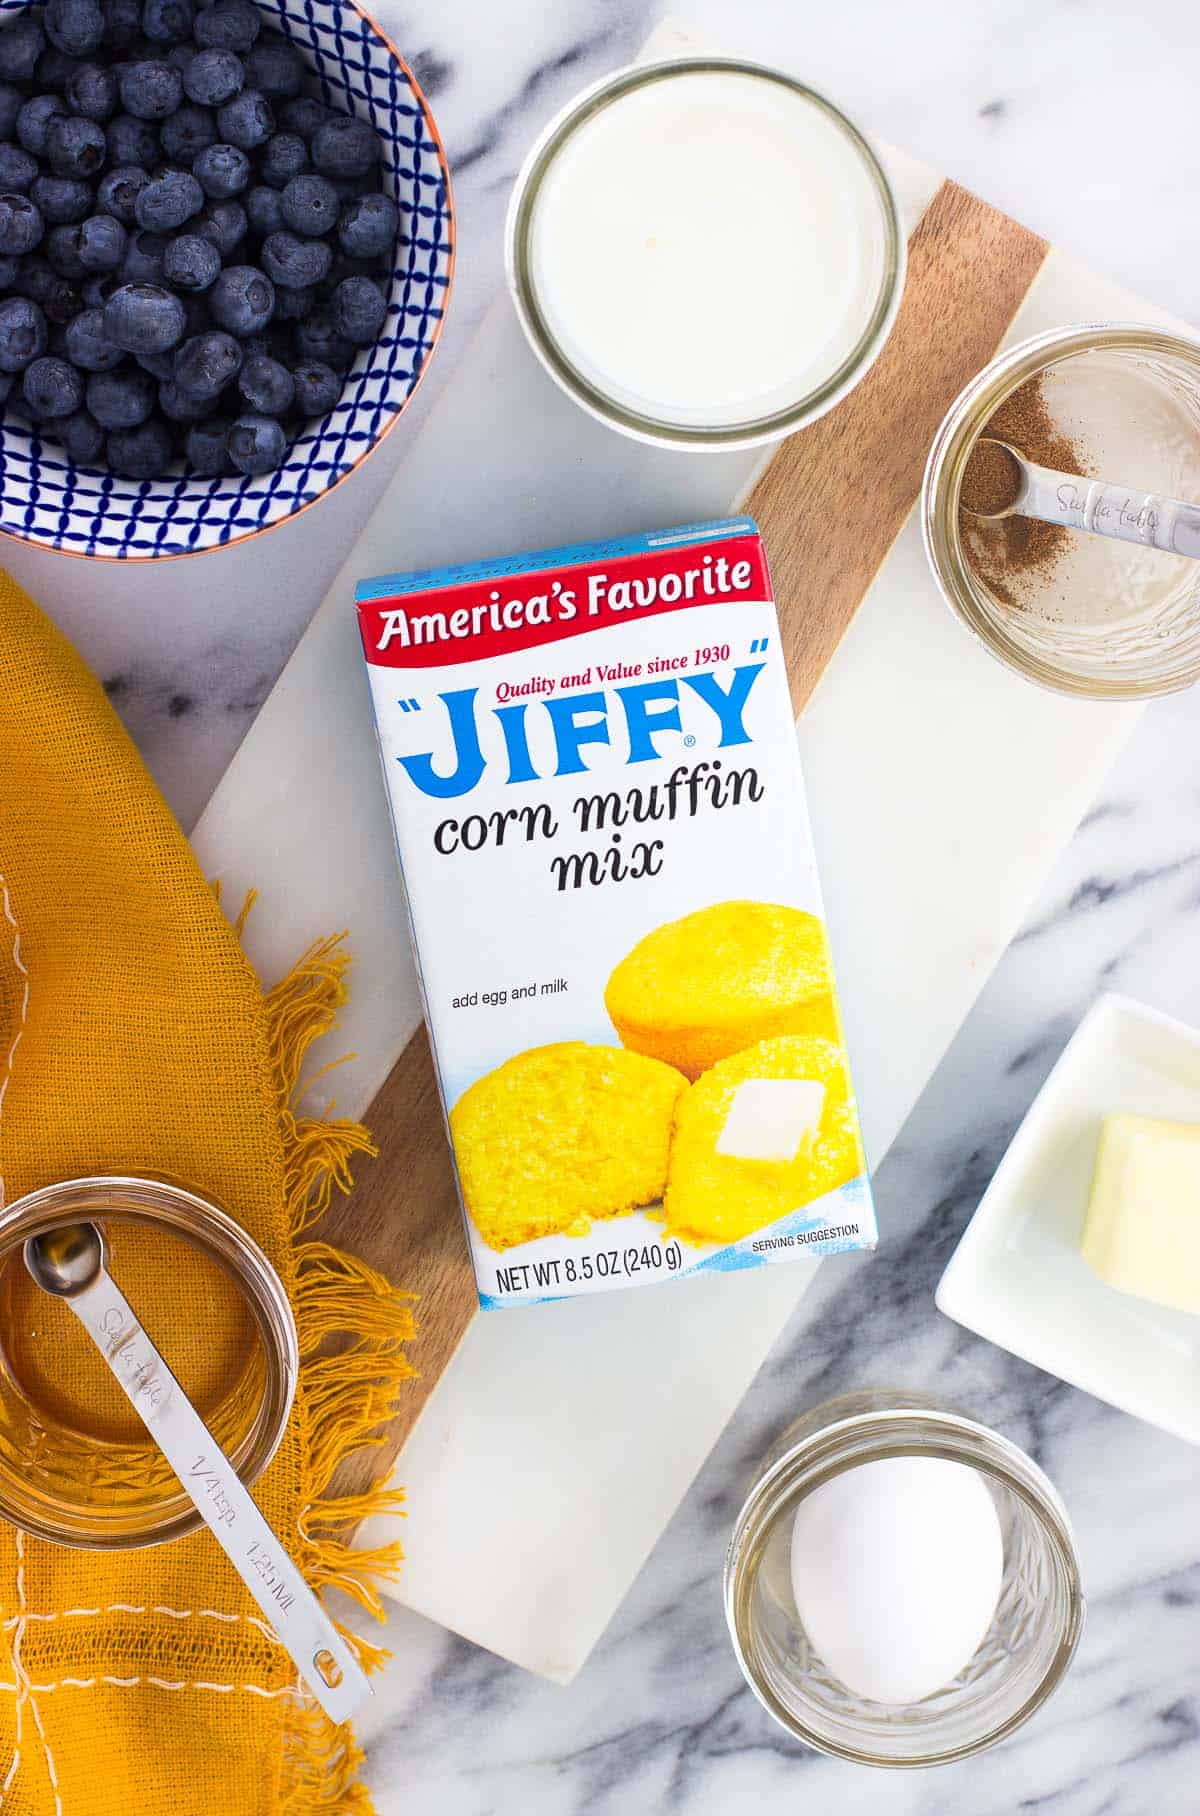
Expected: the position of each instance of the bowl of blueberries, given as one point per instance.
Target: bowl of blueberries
(226, 247)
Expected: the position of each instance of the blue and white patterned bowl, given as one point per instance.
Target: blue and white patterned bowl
(46, 500)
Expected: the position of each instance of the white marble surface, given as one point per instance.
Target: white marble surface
(1079, 118)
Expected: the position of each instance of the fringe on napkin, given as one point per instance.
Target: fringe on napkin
(353, 1325)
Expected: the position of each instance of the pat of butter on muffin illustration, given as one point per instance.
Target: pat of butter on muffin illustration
(736, 998)
(749, 1147)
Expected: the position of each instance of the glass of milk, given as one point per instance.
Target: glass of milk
(704, 253)
(784, 1568)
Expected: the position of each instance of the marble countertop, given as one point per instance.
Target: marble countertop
(1078, 119)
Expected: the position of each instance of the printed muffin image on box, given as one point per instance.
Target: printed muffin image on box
(590, 757)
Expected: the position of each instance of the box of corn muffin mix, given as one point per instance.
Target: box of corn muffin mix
(591, 761)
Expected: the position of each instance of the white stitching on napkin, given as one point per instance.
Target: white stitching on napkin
(175, 1614)
(19, 962)
(157, 1683)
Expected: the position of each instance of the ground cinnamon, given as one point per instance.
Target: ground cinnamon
(992, 480)
(1016, 556)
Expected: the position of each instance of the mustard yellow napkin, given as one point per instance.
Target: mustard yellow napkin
(134, 1037)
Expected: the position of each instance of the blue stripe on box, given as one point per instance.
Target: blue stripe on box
(571, 554)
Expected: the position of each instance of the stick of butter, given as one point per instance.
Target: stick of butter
(1142, 1230)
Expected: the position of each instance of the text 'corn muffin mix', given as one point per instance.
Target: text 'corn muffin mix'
(591, 761)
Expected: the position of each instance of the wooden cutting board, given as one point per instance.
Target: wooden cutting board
(829, 504)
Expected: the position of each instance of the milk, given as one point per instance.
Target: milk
(710, 247)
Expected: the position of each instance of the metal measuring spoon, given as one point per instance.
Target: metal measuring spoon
(1147, 518)
(72, 1264)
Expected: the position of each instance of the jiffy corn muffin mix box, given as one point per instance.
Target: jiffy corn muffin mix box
(591, 761)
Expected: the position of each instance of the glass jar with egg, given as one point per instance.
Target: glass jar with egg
(901, 1586)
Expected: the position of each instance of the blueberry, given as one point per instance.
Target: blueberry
(369, 226)
(318, 337)
(23, 333)
(119, 190)
(144, 258)
(207, 451)
(131, 142)
(21, 226)
(293, 304)
(11, 103)
(310, 205)
(178, 405)
(61, 200)
(263, 209)
(276, 67)
(21, 44)
(242, 299)
(205, 364)
(167, 21)
(144, 452)
(93, 91)
(35, 117)
(346, 147)
(318, 387)
(168, 201)
(61, 247)
(247, 120)
(75, 26)
(18, 170)
(122, 22)
(10, 266)
(228, 25)
(191, 262)
(188, 132)
(224, 223)
(359, 309)
(266, 385)
(213, 77)
(101, 243)
(303, 115)
(82, 437)
(144, 318)
(76, 147)
(51, 387)
(121, 400)
(36, 279)
(294, 262)
(88, 346)
(150, 91)
(283, 157)
(256, 444)
(223, 171)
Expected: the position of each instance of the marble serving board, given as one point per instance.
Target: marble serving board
(559, 1439)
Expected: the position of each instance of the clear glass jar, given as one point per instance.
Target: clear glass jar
(687, 429)
(1106, 620)
(1033, 1636)
(76, 1465)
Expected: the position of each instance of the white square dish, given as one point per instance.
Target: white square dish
(1018, 1278)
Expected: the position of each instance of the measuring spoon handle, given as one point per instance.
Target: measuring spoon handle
(316, 1647)
(1148, 518)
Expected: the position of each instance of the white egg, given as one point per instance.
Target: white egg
(896, 1571)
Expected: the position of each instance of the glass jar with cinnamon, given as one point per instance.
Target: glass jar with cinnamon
(1079, 613)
